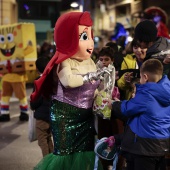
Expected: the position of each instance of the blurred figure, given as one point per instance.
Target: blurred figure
(41, 108)
(161, 26)
(160, 17)
(118, 56)
(47, 50)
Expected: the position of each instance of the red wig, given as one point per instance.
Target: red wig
(66, 33)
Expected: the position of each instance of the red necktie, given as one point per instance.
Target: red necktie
(9, 68)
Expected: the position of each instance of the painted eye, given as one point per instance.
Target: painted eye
(2, 39)
(10, 37)
(84, 36)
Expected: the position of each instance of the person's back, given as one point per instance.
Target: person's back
(147, 133)
(41, 108)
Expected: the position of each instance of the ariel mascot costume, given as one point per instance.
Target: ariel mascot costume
(67, 80)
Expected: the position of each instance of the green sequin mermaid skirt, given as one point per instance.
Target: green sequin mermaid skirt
(73, 135)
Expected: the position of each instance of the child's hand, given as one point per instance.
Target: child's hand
(109, 102)
(128, 77)
(116, 99)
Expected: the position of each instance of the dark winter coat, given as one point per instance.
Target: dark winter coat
(160, 45)
(41, 108)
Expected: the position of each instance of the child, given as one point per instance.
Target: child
(146, 138)
(108, 127)
(41, 109)
(131, 61)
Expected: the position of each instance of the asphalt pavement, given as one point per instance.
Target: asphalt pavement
(16, 152)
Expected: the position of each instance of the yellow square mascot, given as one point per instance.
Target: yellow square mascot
(17, 55)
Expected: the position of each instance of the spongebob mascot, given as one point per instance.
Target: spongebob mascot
(17, 55)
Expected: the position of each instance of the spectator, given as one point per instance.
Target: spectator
(41, 108)
(130, 68)
(118, 56)
(108, 127)
(146, 138)
(157, 47)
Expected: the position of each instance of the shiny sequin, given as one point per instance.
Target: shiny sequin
(72, 128)
(81, 97)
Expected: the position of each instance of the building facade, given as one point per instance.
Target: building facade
(105, 14)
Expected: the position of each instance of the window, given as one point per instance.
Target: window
(38, 10)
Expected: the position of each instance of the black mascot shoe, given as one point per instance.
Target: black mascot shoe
(23, 117)
(4, 118)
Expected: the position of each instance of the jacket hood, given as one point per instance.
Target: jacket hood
(161, 44)
(160, 91)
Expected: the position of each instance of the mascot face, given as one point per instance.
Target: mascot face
(17, 41)
(73, 36)
(86, 44)
(7, 42)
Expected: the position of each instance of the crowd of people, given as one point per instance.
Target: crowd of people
(67, 85)
(140, 104)
(64, 92)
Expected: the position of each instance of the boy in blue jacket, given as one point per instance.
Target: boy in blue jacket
(147, 136)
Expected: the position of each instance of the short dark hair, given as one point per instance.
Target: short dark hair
(152, 66)
(113, 45)
(106, 51)
(135, 43)
(41, 63)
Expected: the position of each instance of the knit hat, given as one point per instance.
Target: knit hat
(146, 31)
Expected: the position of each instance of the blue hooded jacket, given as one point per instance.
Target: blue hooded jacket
(149, 119)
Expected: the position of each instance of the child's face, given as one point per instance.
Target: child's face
(105, 60)
(139, 53)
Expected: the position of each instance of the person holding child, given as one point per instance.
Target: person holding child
(145, 141)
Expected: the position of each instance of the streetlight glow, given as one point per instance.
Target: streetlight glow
(74, 4)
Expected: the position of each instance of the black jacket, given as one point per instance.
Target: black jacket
(41, 108)
(132, 143)
(161, 44)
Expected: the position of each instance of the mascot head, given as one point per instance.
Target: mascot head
(71, 30)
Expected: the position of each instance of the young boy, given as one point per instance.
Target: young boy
(108, 127)
(146, 138)
(41, 109)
